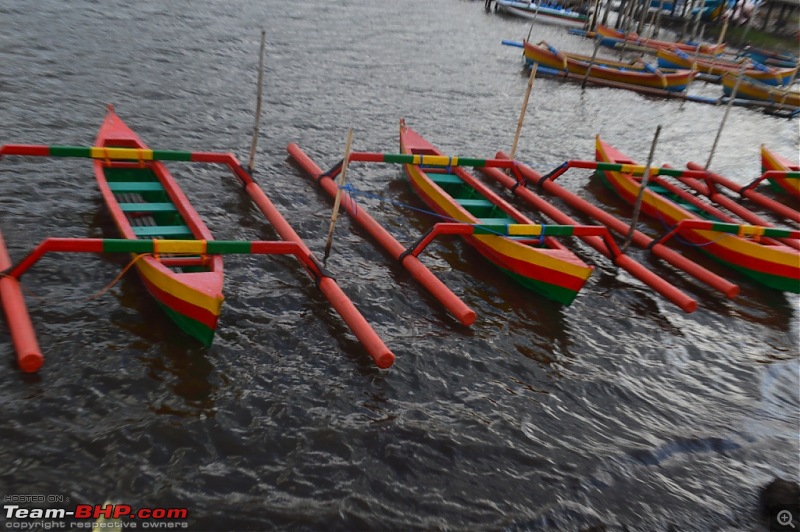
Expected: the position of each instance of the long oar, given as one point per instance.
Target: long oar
(338, 200)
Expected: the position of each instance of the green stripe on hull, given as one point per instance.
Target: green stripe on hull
(777, 282)
(193, 328)
(559, 294)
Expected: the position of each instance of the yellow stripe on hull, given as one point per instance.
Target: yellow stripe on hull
(121, 153)
(671, 211)
(180, 287)
(502, 245)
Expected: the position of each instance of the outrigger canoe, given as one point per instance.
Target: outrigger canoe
(671, 58)
(610, 36)
(543, 265)
(750, 89)
(146, 202)
(640, 75)
(765, 260)
(773, 161)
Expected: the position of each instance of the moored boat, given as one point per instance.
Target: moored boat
(145, 202)
(543, 265)
(764, 260)
(611, 36)
(552, 14)
(774, 161)
(673, 58)
(636, 74)
(751, 89)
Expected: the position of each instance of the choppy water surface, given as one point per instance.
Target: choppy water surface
(619, 410)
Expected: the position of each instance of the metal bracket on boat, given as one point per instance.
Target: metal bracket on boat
(318, 271)
(412, 249)
(663, 238)
(557, 171)
(332, 173)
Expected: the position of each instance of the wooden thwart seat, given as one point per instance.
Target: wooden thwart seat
(135, 186)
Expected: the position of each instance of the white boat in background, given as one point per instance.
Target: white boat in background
(545, 13)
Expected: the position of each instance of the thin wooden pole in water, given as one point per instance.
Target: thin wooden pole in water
(643, 186)
(524, 108)
(257, 126)
(591, 63)
(725, 116)
(338, 199)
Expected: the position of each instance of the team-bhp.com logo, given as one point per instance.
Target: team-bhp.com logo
(95, 516)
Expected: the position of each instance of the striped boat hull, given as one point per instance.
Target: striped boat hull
(191, 296)
(776, 266)
(631, 75)
(551, 270)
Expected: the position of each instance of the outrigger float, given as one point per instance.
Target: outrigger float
(177, 259)
(526, 251)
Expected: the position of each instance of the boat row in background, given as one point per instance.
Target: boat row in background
(637, 73)
(744, 82)
(180, 263)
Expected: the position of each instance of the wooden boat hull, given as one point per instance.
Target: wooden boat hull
(776, 266)
(719, 67)
(754, 90)
(550, 270)
(145, 202)
(773, 161)
(544, 14)
(607, 70)
(632, 39)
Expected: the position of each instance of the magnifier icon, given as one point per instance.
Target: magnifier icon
(785, 518)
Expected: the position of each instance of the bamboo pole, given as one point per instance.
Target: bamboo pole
(643, 186)
(588, 70)
(257, 126)
(338, 200)
(524, 108)
(725, 116)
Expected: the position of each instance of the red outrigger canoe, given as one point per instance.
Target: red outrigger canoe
(146, 203)
(773, 161)
(543, 265)
(765, 260)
